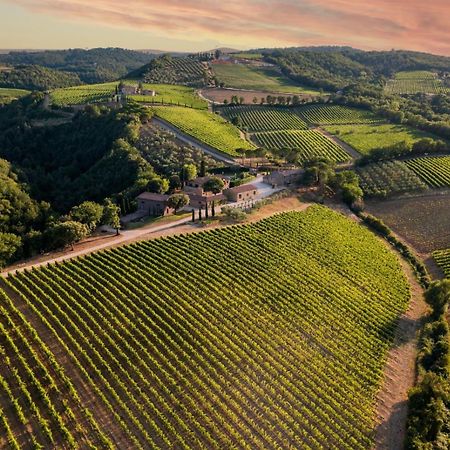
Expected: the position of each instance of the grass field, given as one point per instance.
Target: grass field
(206, 127)
(93, 93)
(259, 79)
(442, 258)
(264, 118)
(421, 221)
(335, 115)
(309, 143)
(415, 82)
(7, 95)
(365, 138)
(435, 171)
(388, 178)
(262, 336)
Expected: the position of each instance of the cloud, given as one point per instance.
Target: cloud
(372, 24)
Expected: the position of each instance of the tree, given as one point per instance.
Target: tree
(9, 245)
(188, 172)
(202, 172)
(88, 213)
(111, 215)
(438, 296)
(158, 185)
(62, 234)
(214, 185)
(255, 100)
(177, 201)
(174, 183)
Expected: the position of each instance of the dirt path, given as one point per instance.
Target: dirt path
(348, 148)
(400, 372)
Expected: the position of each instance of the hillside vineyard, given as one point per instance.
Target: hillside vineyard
(267, 335)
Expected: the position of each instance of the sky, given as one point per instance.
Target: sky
(194, 25)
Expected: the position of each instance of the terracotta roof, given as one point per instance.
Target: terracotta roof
(243, 188)
(153, 196)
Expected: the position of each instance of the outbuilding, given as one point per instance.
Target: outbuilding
(154, 204)
(241, 193)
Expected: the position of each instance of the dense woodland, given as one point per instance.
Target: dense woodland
(91, 66)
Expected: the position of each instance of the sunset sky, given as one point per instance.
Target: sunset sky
(192, 25)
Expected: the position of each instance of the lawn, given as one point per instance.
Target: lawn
(8, 95)
(365, 138)
(259, 79)
(209, 128)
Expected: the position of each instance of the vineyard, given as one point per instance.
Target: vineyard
(365, 138)
(208, 128)
(309, 143)
(335, 115)
(435, 171)
(388, 178)
(95, 93)
(442, 257)
(8, 95)
(262, 118)
(416, 82)
(267, 335)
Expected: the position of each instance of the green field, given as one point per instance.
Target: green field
(262, 336)
(435, 171)
(7, 95)
(415, 82)
(335, 115)
(388, 178)
(240, 76)
(94, 93)
(209, 128)
(442, 257)
(247, 55)
(365, 138)
(309, 143)
(264, 118)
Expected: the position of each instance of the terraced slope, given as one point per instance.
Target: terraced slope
(335, 115)
(268, 335)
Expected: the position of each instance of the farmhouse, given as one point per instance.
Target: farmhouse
(198, 197)
(196, 186)
(154, 204)
(283, 177)
(241, 193)
(127, 89)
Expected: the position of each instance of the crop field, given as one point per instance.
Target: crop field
(7, 95)
(442, 258)
(264, 118)
(335, 115)
(435, 171)
(204, 341)
(422, 221)
(95, 93)
(415, 82)
(309, 143)
(365, 138)
(209, 128)
(388, 178)
(240, 76)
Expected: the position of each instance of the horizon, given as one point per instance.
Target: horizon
(377, 25)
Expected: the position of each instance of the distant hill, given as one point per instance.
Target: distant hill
(91, 66)
(167, 69)
(38, 78)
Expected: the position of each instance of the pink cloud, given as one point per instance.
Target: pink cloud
(373, 24)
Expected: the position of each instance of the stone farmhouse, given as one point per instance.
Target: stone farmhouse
(283, 177)
(154, 204)
(198, 196)
(242, 193)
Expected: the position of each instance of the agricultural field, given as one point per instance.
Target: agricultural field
(240, 76)
(435, 171)
(264, 118)
(365, 138)
(415, 82)
(95, 93)
(335, 115)
(388, 178)
(247, 55)
(202, 341)
(209, 128)
(309, 143)
(422, 221)
(442, 258)
(7, 95)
